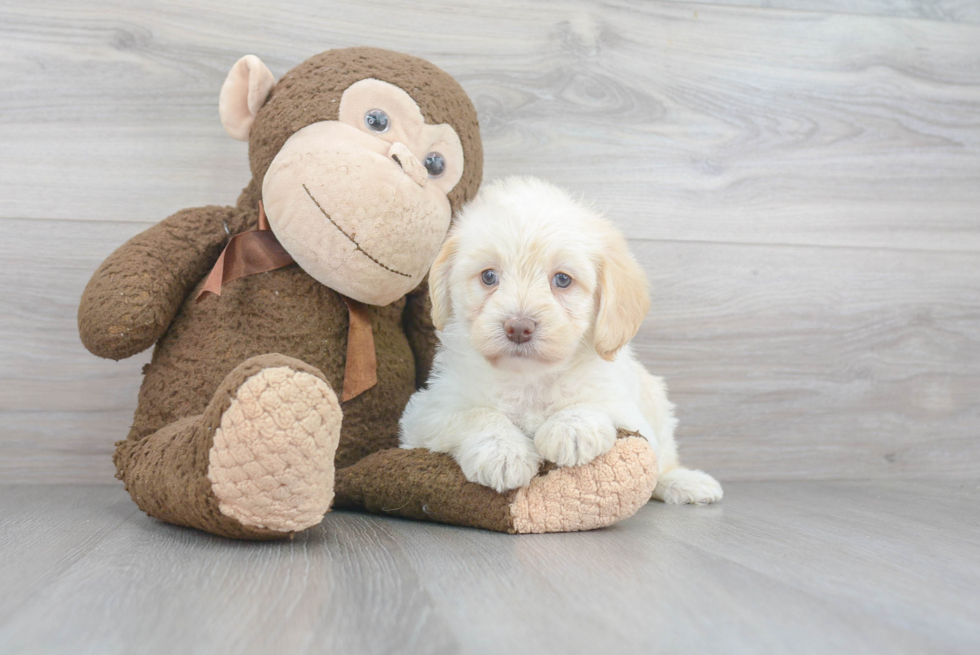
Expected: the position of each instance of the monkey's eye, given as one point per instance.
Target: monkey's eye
(377, 121)
(435, 163)
(562, 280)
(489, 277)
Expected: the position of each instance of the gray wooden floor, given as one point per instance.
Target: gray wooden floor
(779, 567)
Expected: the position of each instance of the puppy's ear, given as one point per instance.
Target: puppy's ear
(623, 297)
(439, 283)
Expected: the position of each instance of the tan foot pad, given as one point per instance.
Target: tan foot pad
(272, 460)
(609, 489)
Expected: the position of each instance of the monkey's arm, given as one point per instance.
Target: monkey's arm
(417, 323)
(133, 296)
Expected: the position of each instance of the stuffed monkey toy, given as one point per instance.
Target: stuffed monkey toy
(291, 329)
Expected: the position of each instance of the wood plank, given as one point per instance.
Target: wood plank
(48, 265)
(824, 567)
(57, 447)
(157, 588)
(910, 503)
(855, 556)
(45, 530)
(737, 125)
(785, 362)
(953, 11)
(633, 589)
(817, 362)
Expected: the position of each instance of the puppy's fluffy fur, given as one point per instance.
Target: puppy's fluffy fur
(500, 405)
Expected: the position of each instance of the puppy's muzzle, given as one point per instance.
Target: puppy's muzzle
(519, 330)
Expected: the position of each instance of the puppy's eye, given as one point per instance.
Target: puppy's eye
(377, 121)
(489, 277)
(562, 280)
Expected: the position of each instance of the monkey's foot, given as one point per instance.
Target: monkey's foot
(257, 464)
(610, 488)
(430, 486)
(271, 464)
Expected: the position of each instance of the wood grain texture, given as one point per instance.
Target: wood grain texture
(953, 11)
(167, 589)
(903, 560)
(735, 125)
(801, 187)
(43, 533)
(826, 567)
(785, 362)
(817, 362)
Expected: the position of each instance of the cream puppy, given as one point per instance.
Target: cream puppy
(536, 298)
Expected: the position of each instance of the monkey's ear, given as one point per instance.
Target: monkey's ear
(439, 283)
(242, 95)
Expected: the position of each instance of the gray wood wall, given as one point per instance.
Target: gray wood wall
(800, 178)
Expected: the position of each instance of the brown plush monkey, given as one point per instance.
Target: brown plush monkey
(314, 282)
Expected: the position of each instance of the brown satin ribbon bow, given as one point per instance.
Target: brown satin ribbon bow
(258, 251)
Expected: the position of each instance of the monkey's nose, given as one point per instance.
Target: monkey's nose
(519, 330)
(402, 156)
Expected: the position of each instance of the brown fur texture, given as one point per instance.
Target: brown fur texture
(422, 485)
(144, 294)
(304, 95)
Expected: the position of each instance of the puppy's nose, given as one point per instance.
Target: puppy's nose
(519, 330)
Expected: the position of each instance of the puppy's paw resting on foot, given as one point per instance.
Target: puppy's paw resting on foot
(683, 486)
(502, 460)
(575, 436)
(272, 460)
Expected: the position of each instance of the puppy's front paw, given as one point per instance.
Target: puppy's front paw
(575, 436)
(501, 461)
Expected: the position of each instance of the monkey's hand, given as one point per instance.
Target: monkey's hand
(134, 295)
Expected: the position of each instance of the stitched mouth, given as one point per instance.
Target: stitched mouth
(357, 246)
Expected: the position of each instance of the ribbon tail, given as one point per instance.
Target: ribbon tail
(258, 251)
(361, 367)
(215, 278)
